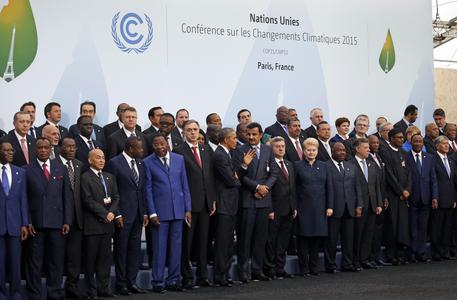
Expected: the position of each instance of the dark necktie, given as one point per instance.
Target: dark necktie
(46, 172)
(32, 132)
(418, 163)
(299, 151)
(284, 170)
(5, 182)
(365, 169)
(165, 163)
(446, 165)
(134, 173)
(71, 174)
(197, 158)
(340, 168)
(102, 181)
(91, 144)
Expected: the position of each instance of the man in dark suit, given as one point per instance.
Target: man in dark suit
(13, 223)
(257, 179)
(166, 125)
(23, 144)
(376, 255)
(451, 132)
(51, 133)
(84, 141)
(129, 171)
(378, 123)
(361, 126)
(116, 141)
(30, 108)
(316, 116)
(213, 118)
(100, 199)
(424, 192)
(50, 202)
(398, 190)
(154, 115)
(431, 133)
(279, 128)
(347, 204)
(168, 201)
(53, 115)
(227, 185)
(111, 128)
(409, 117)
(182, 115)
(369, 179)
(283, 213)
(439, 116)
(293, 141)
(443, 209)
(325, 146)
(384, 135)
(74, 241)
(88, 108)
(200, 177)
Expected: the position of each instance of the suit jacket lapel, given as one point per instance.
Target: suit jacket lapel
(159, 162)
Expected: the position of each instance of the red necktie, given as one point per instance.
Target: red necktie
(197, 158)
(297, 147)
(24, 150)
(284, 170)
(46, 172)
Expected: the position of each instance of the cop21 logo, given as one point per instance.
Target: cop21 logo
(130, 39)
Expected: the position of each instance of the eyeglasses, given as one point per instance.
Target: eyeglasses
(166, 123)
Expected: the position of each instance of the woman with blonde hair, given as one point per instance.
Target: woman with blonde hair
(314, 206)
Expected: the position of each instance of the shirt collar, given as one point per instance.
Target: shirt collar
(225, 149)
(7, 165)
(391, 147)
(120, 124)
(19, 137)
(41, 163)
(414, 153)
(406, 122)
(279, 160)
(63, 159)
(359, 160)
(85, 139)
(127, 157)
(336, 163)
(128, 133)
(212, 145)
(95, 171)
(167, 156)
(190, 145)
(442, 156)
(52, 123)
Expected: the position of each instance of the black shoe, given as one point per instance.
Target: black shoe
(122, 291)
(369, 266)
(445, 257)
(203, 283)
(187, 284)
(107, 295)
(72, 294)
(353, 269)
(382, 263)
(174, 288)
(91, 297)
(423, 259)
(284, 275)
(158, 289)
(134, 289)
(145, 266)
(394, 262)
(330, 271)
(224, 283)
(314, 273)
(243, 278)
(260, 277)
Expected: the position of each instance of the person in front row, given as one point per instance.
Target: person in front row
(168, 204)
(101, 201)
(314, 206)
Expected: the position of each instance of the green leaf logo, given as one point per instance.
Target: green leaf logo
(387, 56)
(18, 38)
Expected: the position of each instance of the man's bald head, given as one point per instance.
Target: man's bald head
(96, 159)
(51, 133)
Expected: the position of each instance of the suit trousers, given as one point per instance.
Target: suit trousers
(440, 231)
(148, 234)
(195, 240)
(308, 253)
(167, 246)
(252, 237)
(98, 262)
(126, 252)
(418, 224)
(453, 247)
(224, 246)
(10, 263)
(279, 231)
(376, 253)
(49, 242)
(344, 228)
(363, 237)
(73, 259)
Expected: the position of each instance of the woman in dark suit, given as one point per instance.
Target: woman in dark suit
(314, 205)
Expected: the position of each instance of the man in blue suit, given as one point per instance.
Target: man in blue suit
(168, 202)
(424, 192)
(14, 220)
(130, 174)
(50, 202)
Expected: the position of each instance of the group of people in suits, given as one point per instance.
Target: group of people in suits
(75, 201)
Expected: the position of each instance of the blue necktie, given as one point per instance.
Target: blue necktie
(102, 181)
(365, 169)
(448, 168)
(418, 163)
(5, 183)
